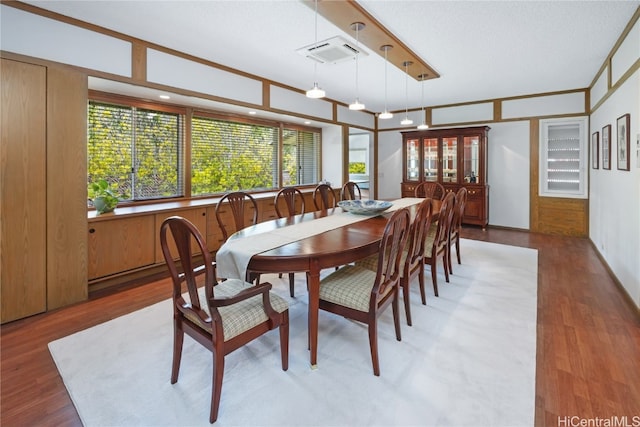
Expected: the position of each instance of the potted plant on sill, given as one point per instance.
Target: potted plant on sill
(102, 196)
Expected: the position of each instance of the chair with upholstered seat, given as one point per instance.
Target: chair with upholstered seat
(221, 316)
(361, 294)
(430, 189)
(456, 225)
(437, 240)
(244, 212)
(350, 191)
(324, 197)
(289, 202)
(412, 261)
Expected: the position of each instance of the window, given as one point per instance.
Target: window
(138, 150)
(229, 156)
(300, 154)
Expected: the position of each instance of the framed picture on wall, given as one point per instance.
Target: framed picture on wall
(594, 150)
(606, 147)
(624, 135)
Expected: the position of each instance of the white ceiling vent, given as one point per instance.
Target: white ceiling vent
(333, 50)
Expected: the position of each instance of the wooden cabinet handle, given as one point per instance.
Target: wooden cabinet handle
(92, 230)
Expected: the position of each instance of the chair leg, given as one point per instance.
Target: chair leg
(291, 285)
(395, 308)
(405, 294)
(446, 266)
(434, 276)
(449, 249)
(423, 295)
(284, 340)
(216, 384)
(373, 345)
(178, 339)
(458, 249)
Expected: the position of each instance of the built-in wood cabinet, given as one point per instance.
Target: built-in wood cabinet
(126, 244)
(121, 245)
(43, 191)
(453, 157)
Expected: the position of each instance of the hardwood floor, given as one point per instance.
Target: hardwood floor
(588, 341)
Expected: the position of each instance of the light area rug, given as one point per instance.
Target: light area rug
(468, 360)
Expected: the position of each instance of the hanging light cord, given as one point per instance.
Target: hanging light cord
(406, 89)
(385, 79)
(357, 54)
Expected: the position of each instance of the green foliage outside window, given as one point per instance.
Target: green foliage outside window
(140, 152)
(357, 167)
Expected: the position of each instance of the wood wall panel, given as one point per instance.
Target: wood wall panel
(567, 217)
(23, 190)
(66, 187)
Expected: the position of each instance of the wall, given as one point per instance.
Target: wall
(614, 196)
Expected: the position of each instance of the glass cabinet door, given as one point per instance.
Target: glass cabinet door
(450, 159)
(430, 146)
(471, 147)
(413, 160)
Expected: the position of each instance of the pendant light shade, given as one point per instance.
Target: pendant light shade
(406, 121)
(357, 105)
(315, 91)
(423, 125)
(385, 114)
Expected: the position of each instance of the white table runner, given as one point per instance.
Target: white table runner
(234, 255)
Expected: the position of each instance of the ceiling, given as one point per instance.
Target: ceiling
(481, 49)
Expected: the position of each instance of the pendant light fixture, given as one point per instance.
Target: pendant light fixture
(385, 114)
(423, 125)
(315, 91)
(406, 121)
(357, 105)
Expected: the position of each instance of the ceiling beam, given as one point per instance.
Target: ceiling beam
(374, 35)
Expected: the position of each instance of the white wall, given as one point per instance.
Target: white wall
(614, 195)
(332, 155)
(389, 165)
(508, 174)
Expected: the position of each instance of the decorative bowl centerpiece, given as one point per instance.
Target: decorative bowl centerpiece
(365, 207)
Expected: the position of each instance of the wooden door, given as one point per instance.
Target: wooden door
(23, 202)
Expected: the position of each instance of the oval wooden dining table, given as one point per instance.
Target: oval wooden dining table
(312, 254)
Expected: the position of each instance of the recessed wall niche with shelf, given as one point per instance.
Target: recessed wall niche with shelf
(563, 155)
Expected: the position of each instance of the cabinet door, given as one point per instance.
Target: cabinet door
(431, 163)
(23, 190)
(198, 216)
(119, 245)
(474, 208)
(450, 159)
(412, 156)
(471, 160)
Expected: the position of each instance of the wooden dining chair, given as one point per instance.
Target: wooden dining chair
(412, 261)
(456, 225)
(430, 189)
(361, 294)
(437, 240)
(221, 316)
(244, 212)
(350, 191)
(289, 201)
(324, 197)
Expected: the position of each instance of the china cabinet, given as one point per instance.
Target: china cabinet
(455, 157)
